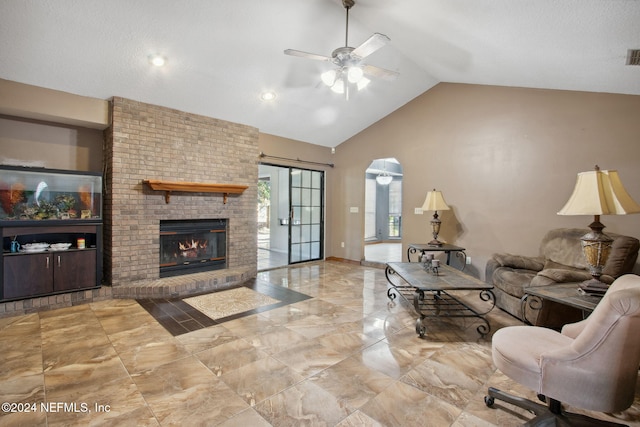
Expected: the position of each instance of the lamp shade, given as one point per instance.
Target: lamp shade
(599, 192)
(435, 202)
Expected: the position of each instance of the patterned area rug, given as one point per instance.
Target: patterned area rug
(226, 303)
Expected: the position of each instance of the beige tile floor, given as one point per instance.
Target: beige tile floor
(341, 358)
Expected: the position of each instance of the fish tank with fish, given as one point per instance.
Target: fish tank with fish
(28, 194)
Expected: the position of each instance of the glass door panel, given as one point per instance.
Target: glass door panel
(306, 215)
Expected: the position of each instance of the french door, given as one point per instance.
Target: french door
(306, 225)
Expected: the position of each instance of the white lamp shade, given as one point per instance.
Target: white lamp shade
(435, 202)
(599, 192)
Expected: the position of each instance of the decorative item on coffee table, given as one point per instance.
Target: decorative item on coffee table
(430, 264)
(598, 193)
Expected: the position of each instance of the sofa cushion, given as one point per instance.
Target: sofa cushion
(519, 261)
(623, 256)
(563, 246)
(561, 275)
(513, 281)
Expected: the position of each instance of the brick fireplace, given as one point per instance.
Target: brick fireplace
(147, 142)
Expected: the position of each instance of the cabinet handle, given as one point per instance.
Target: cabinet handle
(47, 263)
(58, 260)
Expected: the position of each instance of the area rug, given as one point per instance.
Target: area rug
(227, 303)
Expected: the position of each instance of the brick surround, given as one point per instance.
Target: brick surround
(151, 142)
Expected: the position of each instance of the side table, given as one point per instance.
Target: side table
(446, 248)
(565, 293)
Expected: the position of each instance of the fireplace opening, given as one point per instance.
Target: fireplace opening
(191, 246)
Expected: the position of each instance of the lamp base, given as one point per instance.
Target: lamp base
(435, 242)
(594, 286)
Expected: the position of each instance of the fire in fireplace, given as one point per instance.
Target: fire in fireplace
(190, 246)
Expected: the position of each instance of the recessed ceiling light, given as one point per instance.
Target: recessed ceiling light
(157, 60)
(268, 96)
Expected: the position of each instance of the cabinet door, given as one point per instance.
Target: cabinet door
(27, 275)
(74, 270)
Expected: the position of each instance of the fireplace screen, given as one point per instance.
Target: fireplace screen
(190, 246)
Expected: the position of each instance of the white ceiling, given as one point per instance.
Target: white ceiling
(223, 54)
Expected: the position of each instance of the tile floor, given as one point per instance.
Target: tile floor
(342, 357)
(383, 252)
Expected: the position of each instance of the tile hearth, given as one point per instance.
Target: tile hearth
(342, 357)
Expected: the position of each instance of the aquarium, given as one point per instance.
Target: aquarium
(49, 194)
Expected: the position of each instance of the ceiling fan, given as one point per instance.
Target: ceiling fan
(350, 70)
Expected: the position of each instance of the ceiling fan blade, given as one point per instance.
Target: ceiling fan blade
(307, 55)
(373, 43)
(382, 73)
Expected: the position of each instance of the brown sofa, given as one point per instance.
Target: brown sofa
(560, 260)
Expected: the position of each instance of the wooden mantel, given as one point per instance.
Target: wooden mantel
(194, 187)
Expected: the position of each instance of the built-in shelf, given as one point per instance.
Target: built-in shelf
(194, 187)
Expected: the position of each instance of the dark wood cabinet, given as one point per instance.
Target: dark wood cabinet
(74, 269)
(40, 207)
(26, 275)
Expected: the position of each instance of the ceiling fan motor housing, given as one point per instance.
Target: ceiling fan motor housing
(348, 4)
(342, 56)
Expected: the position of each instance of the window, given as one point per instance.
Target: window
(395, 208)
(370, 209)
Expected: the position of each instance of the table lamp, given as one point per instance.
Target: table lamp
(435, 202)
(598, 192)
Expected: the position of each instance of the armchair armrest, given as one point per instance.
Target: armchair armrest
(572, 330)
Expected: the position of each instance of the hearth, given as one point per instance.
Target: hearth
(191, 246)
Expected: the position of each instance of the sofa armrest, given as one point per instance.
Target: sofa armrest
(519, 261)
(492, 265)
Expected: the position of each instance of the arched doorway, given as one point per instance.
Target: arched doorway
(383, 211)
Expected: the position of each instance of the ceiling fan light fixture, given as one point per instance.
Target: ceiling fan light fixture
(350, 69)
(354, 74)
(338, 86)
(329, 77)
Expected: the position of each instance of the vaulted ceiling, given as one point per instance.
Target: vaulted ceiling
(222, 55)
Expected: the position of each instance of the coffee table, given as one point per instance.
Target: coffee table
(432, 293)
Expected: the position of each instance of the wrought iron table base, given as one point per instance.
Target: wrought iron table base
(438, 303)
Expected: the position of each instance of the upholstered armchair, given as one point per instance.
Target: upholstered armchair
(560, 260)
(592, 364)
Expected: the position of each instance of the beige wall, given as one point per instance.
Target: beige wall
(33, 102)
(25, 142)
(272, 145)
(49, 128)
(506, 160)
